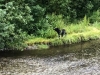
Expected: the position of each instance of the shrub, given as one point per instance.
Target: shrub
(55, 20)
(9, 38)
(95, 16)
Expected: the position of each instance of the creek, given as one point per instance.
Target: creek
(76, 59)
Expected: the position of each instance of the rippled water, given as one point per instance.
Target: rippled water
(80, 59)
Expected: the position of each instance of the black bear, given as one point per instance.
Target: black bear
(61, 32)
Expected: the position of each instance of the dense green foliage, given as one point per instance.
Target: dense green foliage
(38, 17)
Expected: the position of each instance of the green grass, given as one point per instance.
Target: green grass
(42, 46)
(89, 33)
(82, 31)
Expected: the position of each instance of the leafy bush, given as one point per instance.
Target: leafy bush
(45, 26)
(50, 33)
(95, 16)
(17, 42)
(55, 20)
(52, 22)
(9, 38)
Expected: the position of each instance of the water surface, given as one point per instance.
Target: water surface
(76, 59)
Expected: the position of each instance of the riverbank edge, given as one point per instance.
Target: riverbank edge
(62, 41)
(44, 46)
(38, 43)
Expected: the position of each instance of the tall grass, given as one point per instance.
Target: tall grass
(82, 31)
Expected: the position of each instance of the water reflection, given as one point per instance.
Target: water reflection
(80, 59)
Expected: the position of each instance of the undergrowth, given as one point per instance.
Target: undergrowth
(82, 31)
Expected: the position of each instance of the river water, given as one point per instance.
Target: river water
(76, 59)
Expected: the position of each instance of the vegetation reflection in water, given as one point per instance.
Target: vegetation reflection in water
(80, 59)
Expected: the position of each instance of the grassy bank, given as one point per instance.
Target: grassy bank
(75, 34)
